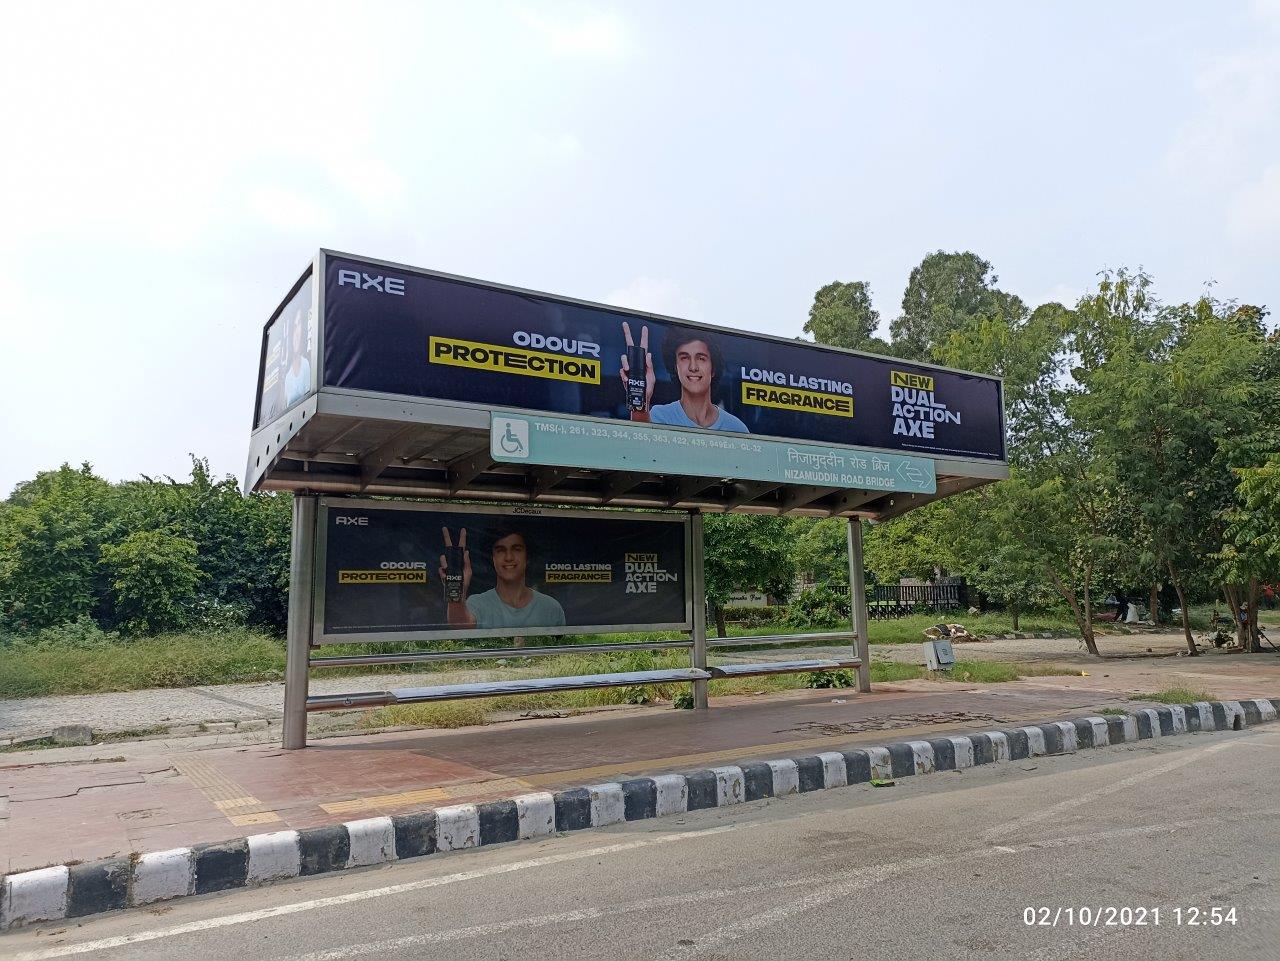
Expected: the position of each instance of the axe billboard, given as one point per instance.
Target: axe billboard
(427, 571)
(412, 333)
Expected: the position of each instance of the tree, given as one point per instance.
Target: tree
(842, 316)
(913, 545)
(1062, 521)
(153, 580)
(943, 292)
(1159, 389)
(50, 531)
(746, 552)
(1029, 353)
(992, 561)
(55, 527)
(1251, 552)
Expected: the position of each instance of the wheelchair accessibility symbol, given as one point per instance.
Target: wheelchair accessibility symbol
(510, 438)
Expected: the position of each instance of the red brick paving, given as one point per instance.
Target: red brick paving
(135, 798)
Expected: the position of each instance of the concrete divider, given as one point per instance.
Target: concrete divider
(68, 891)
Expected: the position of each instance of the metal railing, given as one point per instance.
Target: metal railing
(887, 601)
(302, 658)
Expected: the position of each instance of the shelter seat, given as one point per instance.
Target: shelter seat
(782, 667)
(540, 685)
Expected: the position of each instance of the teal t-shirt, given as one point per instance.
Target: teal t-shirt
(673, 415)
(491, 611)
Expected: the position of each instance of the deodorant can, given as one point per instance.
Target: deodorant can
(453, 574)
(636, 380)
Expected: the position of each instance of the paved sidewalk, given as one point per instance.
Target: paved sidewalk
(170, 707)
(91, 802)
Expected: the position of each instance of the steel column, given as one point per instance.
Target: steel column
(298, 644)
(858, 604)
(699, 590)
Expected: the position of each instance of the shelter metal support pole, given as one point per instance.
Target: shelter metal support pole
(298, 644)
(858, 604)
(699, 590)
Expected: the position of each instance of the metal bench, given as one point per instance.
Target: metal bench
(540, 685)
(781, 667)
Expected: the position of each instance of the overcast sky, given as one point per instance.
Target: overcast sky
(168, 170)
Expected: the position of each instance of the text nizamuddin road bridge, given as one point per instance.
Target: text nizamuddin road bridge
(475, 461)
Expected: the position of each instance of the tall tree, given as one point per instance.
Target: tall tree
(943, 292)
(1159, 389)
(746, 552)
(842, 316)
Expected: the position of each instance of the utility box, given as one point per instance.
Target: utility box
(939, 655)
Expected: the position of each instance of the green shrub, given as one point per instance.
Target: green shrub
(755, 616)
(82, 633)
(1176, 695)
(824, 679)
(153, 580)
(820, 606)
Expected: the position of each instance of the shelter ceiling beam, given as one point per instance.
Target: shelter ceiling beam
(688, 487)
(615, 485)
(746, 491)
(545, 479)
(793, 497)
(854, 500)
(466, 468)
(380, 458)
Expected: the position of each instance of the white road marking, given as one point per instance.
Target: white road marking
(545, 920)
(773, 918)
(297, 907)
(1080, 800)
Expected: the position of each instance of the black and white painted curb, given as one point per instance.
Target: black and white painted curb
(77, 890)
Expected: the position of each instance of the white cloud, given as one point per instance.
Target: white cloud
(1066, 294)
(657, 295)
(592, 33)
(566, 148)
(289, 210)
(1255, 211)
(1223, 151)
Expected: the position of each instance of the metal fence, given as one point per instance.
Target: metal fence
(887, 601)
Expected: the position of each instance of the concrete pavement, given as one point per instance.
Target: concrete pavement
(942, 867)
(116, 799)
(170, 707)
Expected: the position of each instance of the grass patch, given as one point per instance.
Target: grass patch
(451, 714)
(170, 660)
(1113, 710)
(1176, 695)
(33, 745)
(887, 671)
(132, 734)
(909, 630)
(1000, 672)
(446, 714)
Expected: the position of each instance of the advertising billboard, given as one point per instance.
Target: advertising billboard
(405, 332)
(288, 355)
(398, 570)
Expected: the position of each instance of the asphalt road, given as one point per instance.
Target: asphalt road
(942, 866)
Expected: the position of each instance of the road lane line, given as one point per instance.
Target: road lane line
(1079, 800)
(546, 920)
(297, 907)
(775, 917)
(714, 894)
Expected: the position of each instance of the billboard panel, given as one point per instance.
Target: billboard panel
(288, 356)
(400, 331)
(414, 571)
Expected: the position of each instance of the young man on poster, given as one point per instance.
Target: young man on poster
(511, 602)
(694, 357)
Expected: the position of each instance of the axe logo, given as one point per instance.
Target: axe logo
(362, 281)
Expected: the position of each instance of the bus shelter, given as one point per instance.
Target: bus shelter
(477, 462)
